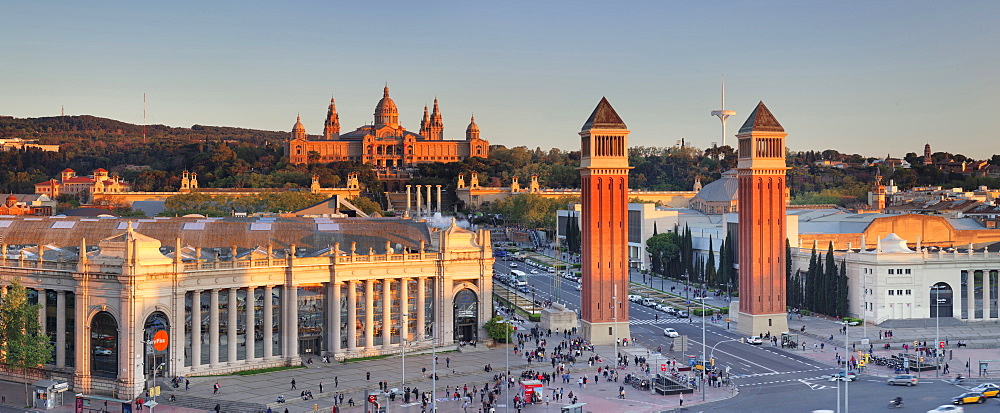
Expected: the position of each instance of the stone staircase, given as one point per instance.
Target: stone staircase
(202, 403)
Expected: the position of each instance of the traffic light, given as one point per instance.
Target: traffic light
(940, 344)
(921, 359)
(713, 361)
(916, 343)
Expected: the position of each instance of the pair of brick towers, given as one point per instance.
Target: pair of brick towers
(604, 225)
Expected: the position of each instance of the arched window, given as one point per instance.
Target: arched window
(104, 345)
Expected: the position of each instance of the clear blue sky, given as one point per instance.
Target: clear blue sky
(860, 77)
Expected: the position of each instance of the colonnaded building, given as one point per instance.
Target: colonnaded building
(384, 143)
(231, 294)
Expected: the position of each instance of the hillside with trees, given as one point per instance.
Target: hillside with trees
(228, 157)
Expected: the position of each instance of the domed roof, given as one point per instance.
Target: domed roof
(299, 127)
(472, 126)
(386, 106)
(721, 190)
(11, 197)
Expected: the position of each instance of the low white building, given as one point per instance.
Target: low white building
(893, 281)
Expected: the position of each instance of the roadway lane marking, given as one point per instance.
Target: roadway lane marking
(736, 357)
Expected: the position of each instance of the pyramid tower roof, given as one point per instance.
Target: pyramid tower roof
(761, 120)
(604, 117)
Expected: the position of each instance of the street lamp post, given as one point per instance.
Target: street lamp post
(937, 329)
(704, 362)
(846, 381)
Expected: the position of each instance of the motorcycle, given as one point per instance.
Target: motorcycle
(896, 403)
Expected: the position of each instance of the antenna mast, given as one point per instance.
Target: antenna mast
(722, 113)
(144, 118)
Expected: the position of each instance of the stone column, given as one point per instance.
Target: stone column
(429, 199)
(439, 199)
(352, 316)
(292, 330)
(986, 294)
(408, 198)
(419, 202)
(195, 329)
(333, 295)
(386, 313)
(268, 327)
(61, 328)
(421, 306)
(82, 349)
(250, 332)
(369, 314)
(42, 319)
(404, 310)
(231, 325)
(213, 329)
(971, 294)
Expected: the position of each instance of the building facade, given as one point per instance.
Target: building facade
(101, 182)
(384, 143)
(604, 226)
(761, 238)
(340, 287)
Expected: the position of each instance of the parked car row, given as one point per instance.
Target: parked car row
(651, 303)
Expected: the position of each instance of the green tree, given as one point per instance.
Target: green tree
(664, 248)
(23, 346)
(710, 273)
(842, 290)
(499, 330)
(366, 205)
(829, 292)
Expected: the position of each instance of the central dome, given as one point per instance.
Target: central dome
(386, 112)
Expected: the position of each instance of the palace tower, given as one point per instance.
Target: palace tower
(761, 169)
(604, 225)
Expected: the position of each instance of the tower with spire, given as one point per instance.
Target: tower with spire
(604, 226)
(425, 122)
(927, 155)
(761, 224)
(331, 128)
(435, 126)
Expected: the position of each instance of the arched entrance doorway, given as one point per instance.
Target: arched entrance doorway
(466, 315)
(941, 298)
(155, 355)
(104, 345)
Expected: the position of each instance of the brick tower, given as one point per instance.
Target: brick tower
(761, 169)
(604, 226)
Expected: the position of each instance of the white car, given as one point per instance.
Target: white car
(634, 298)
(755, 340)
(534, 271)
(947, 408)
(579, 287)
(669, 332)
(983, 387)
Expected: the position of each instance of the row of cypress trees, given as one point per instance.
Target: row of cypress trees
(822, 288)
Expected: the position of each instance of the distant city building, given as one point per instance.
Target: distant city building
(84, 186)
(384, 143)
(27, 205)
(8, 144)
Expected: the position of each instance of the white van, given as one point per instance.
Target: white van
(648, 302)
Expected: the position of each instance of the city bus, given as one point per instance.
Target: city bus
(520, 278)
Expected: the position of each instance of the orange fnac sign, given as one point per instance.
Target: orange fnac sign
(160, 340)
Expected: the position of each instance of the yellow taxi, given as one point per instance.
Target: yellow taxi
(970, 397)
(989, 391)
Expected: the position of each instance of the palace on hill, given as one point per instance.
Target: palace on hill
(384, 143)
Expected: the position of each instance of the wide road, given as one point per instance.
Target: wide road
(769, 379)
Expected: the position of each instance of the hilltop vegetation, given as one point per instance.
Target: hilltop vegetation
(227, 157)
